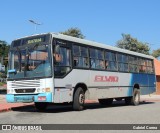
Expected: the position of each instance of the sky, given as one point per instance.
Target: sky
(102, 21)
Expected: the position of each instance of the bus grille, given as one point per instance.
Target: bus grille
(25, 90)
(25, 86)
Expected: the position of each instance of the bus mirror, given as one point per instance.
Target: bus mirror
(57, 49)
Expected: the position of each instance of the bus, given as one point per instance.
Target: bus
(56, 68)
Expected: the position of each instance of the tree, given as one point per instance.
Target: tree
(4, 48)
(156, 53)
(132, 44)
(75, 32)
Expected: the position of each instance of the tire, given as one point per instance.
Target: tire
(106, 101)
(79, 99)
(41, 106)
(135, 99)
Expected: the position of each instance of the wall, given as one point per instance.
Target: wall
(157, 71)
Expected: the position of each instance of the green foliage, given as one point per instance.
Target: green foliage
(2, 75)
(4, 48)
(156, 53)
(132, 44)
(75, 32)
(1, 84)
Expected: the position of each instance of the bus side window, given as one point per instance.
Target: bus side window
(85, 62)
(106, 64)
(75, 61)
(102, 64)
(100, 59)
(93, 64)
(142, 65)
(80, 58)
(110, 61)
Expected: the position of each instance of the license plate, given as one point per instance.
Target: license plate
(24, 99)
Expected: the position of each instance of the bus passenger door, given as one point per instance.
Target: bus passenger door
(62, 66)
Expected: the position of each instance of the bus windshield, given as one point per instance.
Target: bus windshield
(29, 62)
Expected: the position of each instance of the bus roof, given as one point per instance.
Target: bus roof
(93, 43)
(100, 45)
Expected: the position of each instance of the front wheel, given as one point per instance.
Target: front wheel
(41, 106)
(135, 99)
(78, 100)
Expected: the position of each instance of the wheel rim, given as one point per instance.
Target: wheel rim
(81, 98)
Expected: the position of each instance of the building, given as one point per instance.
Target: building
(157, 71)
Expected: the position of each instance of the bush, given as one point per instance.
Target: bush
(1, 84)
(3, 75)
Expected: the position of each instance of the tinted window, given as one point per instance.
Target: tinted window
(80, 58)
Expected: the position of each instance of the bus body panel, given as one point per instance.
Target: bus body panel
(102, 84)
(105, 84)
(64, 88)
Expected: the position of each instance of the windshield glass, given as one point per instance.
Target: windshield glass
(30, 62)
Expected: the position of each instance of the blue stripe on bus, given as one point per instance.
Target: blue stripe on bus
(142, 80)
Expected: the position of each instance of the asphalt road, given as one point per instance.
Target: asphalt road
(118, 113)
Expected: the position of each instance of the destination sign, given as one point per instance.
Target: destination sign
(34, 40)
(31, 40)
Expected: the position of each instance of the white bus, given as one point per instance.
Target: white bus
(55, 68)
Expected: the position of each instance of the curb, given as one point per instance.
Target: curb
(15, 108)
(5, 110)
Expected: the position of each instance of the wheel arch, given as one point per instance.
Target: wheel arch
(137, 86)
(83, 85)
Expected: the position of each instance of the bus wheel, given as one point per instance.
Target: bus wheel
(78, 100)
(41, 106)
(135, 99)
(106, 101)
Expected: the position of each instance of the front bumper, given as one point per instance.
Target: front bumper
(12, 98)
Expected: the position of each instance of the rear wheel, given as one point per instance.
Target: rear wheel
(135, 99)
(79, 99)
(106, 101)
(41, 106)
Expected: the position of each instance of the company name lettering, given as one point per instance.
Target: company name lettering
(99, 78)
(34, 40)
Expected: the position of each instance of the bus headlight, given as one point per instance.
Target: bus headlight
(43, 90)
(38, 90)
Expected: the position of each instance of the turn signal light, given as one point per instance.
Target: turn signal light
(48, 89)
